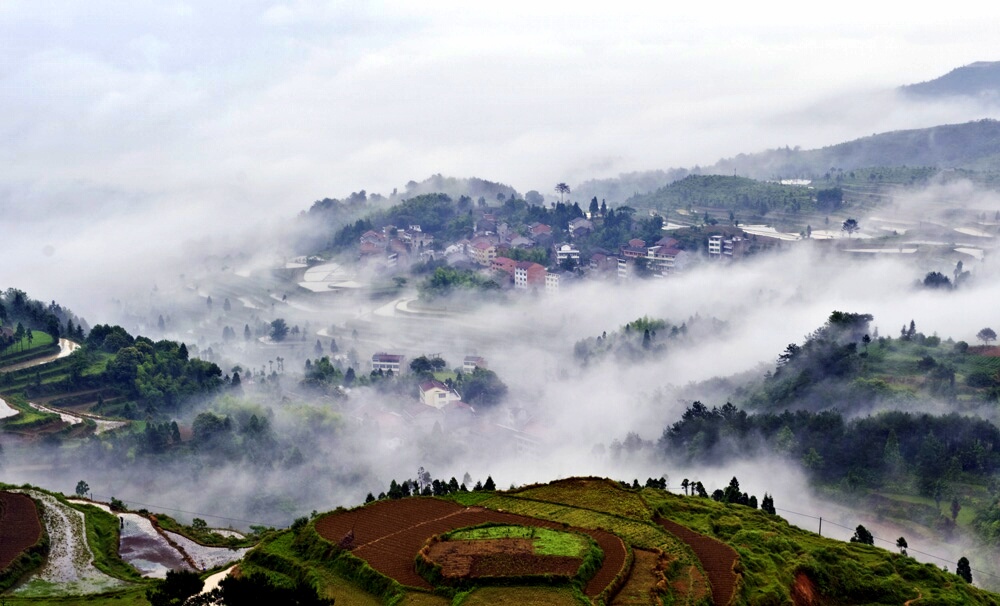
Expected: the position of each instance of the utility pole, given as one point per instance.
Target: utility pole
(821, 527)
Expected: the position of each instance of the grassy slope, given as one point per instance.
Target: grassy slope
(773, 553)
(41, 345)
(892, 373)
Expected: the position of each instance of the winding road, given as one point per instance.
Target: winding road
(66, 347)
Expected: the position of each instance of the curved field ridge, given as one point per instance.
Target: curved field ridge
(20, 527)
(388, 534)
(717, 558)
(69, 569)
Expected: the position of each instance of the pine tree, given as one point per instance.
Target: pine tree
(964, 570)
(767, 504)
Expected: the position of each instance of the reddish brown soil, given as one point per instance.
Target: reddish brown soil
(496, 558)
(20, 527)
(509, 564)
(983, 350)
(388, 534)
(803, 591)
(717, 558)
(642, 581)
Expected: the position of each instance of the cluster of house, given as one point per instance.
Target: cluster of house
(493, 241)
(439, 406)
(432, 393)
(394, 245)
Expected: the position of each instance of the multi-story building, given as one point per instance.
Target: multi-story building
(387, 362)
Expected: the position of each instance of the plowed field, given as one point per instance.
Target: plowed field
(20, 527)
(388, 534)
(498, 557)
(717, 558)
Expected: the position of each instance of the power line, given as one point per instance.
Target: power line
(893, 543)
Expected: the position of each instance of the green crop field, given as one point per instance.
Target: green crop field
(41, 344)
(546, 542)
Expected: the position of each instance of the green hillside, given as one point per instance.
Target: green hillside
(652, 547)
(972, 145)
(775, 563)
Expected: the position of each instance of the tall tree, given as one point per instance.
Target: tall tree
(562, 189)
(963, 569)
(861, 535)
(986, 335)
(279, 330)
(850, 226)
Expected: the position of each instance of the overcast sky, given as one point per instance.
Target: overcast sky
(219, 113)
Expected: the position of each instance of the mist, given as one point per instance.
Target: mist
(133, 131)
(159, 155)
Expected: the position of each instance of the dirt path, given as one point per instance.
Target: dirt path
(102, 423)
(213, 581)
(66, 347)
(919, 597)
(717, 558)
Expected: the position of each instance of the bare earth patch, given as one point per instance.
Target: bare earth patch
(498, 557)
(20, 527)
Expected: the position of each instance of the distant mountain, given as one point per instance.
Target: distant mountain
(973, 146)
(974, 80)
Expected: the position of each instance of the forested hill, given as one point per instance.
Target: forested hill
(846, 366)
(975, 79)
(17, 308)
(972, 145)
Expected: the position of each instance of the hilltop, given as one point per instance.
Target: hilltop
(572, 541)
(981, 78)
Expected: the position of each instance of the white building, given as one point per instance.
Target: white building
(387, 362)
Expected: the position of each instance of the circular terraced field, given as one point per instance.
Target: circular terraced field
(388, 534)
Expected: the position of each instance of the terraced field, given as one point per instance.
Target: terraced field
(388, 534)
(69, 569)
(716, 557)
(20, 527)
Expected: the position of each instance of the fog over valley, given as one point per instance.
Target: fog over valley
(263, 264)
